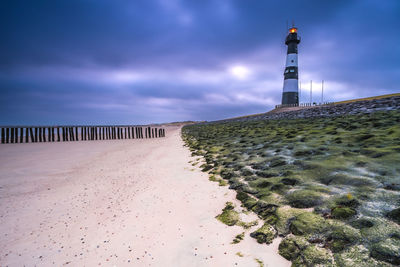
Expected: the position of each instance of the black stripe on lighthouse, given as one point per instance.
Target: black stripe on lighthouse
(290, 93)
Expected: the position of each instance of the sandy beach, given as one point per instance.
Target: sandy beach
(117, 203)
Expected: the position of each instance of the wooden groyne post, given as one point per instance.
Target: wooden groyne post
(34, 134)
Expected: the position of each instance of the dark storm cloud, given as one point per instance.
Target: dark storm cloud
(120, 61)
(117, 33)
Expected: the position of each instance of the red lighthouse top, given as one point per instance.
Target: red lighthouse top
(293, 30)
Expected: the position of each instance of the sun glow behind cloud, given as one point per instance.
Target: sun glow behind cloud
(240, 72)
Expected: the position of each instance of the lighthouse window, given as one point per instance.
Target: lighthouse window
(286, 71)
(291, 70)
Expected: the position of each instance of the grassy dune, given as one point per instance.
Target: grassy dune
(330, 186)
(367, 98)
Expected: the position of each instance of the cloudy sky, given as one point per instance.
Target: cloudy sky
(143, 61)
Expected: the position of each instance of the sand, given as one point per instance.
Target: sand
(116, 203)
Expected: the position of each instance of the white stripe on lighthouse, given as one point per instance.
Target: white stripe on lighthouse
(291, 60)
(290, 85)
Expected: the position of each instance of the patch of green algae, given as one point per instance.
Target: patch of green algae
(265, 234)
(229, 216)
(238, 238)
(329, 186)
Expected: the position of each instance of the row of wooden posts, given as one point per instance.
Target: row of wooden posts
(77, 133)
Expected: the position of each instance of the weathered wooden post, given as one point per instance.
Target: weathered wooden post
(21, 135)
(68, 131)
(35, 134)
(76, 133)
(7, 135)
(71, 134)
(16, 135)
(44, 134)
(40, 134)
(12, 136)
(63, 133)
(3, 136)
(58, 134)
(26, 135)
(31, 134)
(67, 134)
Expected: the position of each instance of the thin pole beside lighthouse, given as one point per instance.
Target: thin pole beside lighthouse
(290, 93)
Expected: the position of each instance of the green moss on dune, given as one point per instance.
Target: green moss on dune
(333, 182)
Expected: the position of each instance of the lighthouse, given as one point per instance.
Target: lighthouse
(290, 93)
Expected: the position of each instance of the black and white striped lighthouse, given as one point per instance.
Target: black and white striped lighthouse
(290, 93)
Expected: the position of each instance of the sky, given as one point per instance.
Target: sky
(153, 61)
